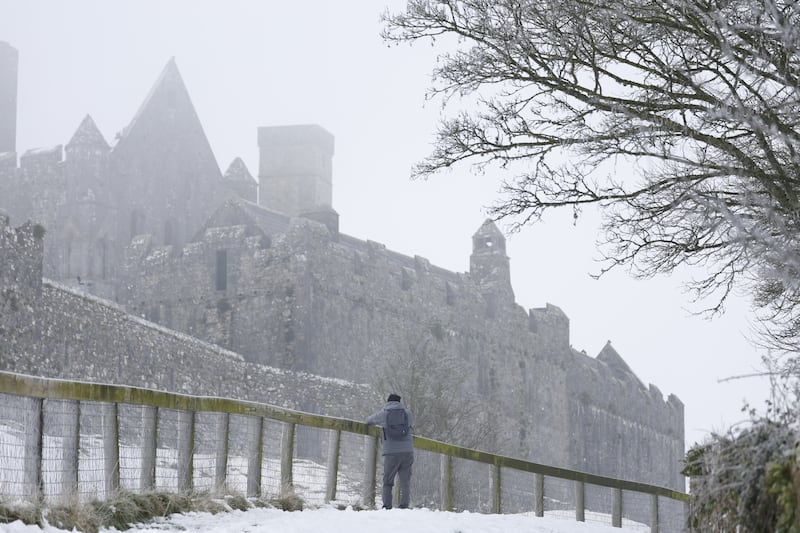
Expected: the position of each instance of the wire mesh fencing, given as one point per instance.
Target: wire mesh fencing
(66, 440)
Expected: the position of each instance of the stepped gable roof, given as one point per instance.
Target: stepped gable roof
(167, 125)
(87, 135)
(237, 171)
(240, 212)
(616, 364)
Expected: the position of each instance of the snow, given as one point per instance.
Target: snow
(333, 520)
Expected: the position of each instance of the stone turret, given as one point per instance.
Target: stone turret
(8, 98)
(238, 179)
(86, 156)
(295, 169)
(489, 265)
(87, 142)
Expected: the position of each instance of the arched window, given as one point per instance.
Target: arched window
(222, 270)
(101, 251)
(171, 233)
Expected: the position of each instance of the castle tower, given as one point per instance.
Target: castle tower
(8, 97)
(489, 265)
(295, 168)
(84, 238)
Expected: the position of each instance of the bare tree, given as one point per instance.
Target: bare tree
(699, 100)
(434, 385)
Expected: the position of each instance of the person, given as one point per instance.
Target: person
(397, 448)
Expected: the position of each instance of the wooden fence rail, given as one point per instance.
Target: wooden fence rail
(72, 393)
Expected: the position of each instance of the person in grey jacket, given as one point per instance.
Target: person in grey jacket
(398, 454)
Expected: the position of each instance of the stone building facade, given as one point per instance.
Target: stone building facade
(258, 284)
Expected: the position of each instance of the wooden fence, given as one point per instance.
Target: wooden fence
(542, 486)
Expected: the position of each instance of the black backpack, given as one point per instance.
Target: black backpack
(396, 427)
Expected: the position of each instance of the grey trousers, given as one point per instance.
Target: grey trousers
(397, 464)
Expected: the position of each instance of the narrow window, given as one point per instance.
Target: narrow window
(169, 233)
(103, 259)
(137, 223)
(222, 270)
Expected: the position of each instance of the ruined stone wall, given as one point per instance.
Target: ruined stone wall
(20, 286)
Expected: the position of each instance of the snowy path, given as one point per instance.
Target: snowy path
(335, 521)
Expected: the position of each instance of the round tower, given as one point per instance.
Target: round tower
(8, 97)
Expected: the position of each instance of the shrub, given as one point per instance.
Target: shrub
(745, 480)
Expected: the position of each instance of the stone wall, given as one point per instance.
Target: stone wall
(336, 306)
(79, 336)
(20, 286)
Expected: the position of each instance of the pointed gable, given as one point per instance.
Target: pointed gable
(489, 239)
(167, 109)
(237, 212)
(616, 364)
(164, 169)
(87, 136)
(237, 172)
(488, 229)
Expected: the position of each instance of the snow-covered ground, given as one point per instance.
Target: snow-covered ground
(309, 478)
(332, 520)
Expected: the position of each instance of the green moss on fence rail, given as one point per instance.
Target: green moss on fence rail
(35, 387)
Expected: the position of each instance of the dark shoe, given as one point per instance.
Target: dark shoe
(404, 507)
(388, 508)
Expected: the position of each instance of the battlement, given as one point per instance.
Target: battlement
(550, 319)
(41, 160)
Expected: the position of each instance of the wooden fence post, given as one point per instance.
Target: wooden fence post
(34, 443)
(147, 473)
(538, 495)
(497, 490)
(370, 470)
(616, 510)
(333, 465)
(221, 461)
(580, 506)
(287, 456)
(111, 447)
(185, 450)
(446, 482)
(654, 513)
(70, 445)
(255, 457)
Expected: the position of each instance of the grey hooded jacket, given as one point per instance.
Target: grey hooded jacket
(389, 447)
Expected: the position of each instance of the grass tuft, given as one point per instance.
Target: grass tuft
(125, 509)
(27, 513)
(288, 501)
(237, 502)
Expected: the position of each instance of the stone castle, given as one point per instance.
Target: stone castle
(142, 263)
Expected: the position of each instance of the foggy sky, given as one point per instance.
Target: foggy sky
(259, 63)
